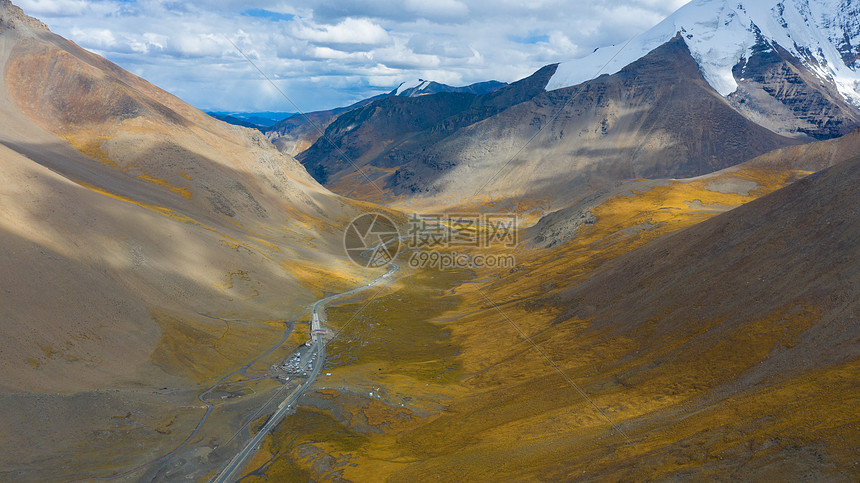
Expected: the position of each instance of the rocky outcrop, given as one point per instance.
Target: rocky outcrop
(779, 92)
(11, 16)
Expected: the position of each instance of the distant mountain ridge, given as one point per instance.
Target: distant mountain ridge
(656, 118)
(255, 120)
(713, 85)
(299, 131)
(387, 132)
(423, 87)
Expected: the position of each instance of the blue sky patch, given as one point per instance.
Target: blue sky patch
(531, 39)
(267, 14)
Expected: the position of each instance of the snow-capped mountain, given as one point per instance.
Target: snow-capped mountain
(414, 86)
(823, 35)
(421, 87)
(714, 85)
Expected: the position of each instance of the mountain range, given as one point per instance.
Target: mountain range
(681, 303)
(711, 86)
(256, 120)
(299, 131)
(780, 63)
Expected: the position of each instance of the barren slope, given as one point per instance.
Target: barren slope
(394, 132)
(102, 158)
(145, 246)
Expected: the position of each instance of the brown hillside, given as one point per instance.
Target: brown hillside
(147, 250)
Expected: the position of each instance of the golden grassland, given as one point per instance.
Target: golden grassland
(389, 330)
(172, 214)
(322, 280)
(663, 401)
(306, 424)
(386, 341)
(201, 350)
(628, 222)
(90, 144)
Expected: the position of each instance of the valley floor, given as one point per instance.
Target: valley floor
(533, 373)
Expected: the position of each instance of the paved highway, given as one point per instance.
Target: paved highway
(318, 346)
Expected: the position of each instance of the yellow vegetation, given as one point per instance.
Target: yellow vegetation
(509, 415)
(172, 214)
(203, 348)
(322, 279)
(90, 144)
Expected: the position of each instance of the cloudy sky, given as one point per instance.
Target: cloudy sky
(328, 53)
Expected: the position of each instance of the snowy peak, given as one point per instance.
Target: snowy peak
(824, 35)
(409, 89)
(423, 87)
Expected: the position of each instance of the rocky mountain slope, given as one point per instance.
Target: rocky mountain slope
(656, 118)
(789, 65)
(145, 245)
(561, 225)
(766, 74)
(384, 135)
(298, 132)
(131, 167)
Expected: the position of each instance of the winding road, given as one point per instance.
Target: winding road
(318, 346)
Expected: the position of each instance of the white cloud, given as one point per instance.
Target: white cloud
(148, 41)
(53, 7)
(200, 45)
(329, 53)
(438, 8)
(401, 57)
(349, 31)
(101, 38)
(334, 52)
(562, 45)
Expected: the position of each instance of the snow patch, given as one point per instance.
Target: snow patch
(719, 33)
(404, 86)
(418, 85)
